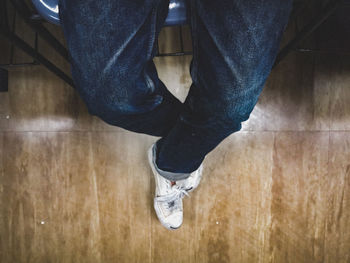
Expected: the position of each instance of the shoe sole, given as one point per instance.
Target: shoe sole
(150, 161)
(197, 182)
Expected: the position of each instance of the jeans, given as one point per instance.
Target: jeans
(112, 44)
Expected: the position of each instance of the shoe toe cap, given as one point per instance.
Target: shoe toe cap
(174, 221)
(171, 220)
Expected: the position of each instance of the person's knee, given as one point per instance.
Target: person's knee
(118, 99)
(233, 112)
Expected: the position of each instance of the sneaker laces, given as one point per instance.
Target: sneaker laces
(176, 193)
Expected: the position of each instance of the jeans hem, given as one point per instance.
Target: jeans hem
(167, 175)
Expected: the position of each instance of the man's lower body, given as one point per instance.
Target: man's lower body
(112, 44)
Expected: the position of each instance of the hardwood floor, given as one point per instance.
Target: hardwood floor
(74, 189)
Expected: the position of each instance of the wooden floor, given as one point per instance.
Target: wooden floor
(74, 189)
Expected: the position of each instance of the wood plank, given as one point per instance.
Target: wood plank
(299, 196)
(337, 203)
(74, 197)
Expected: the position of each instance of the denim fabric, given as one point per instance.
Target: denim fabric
(168, 175)
(112, 43)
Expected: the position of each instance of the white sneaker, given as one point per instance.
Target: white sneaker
(168, 198)
(192, 182)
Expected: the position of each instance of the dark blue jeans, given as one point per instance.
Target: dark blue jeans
(112, 44)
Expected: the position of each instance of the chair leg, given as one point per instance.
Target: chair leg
(3, 80)
(308, 30)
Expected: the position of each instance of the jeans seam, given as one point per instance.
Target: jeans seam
(194, 40)
(149, 82)
(154, 17)
(153, 29)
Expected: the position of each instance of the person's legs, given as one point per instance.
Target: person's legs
(235, 44)
(111, 44)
